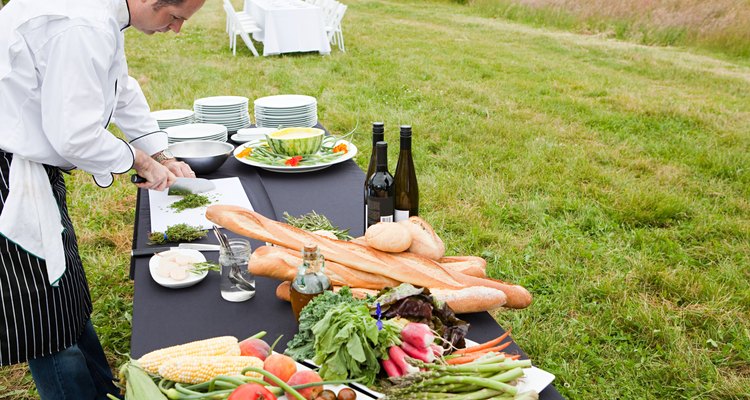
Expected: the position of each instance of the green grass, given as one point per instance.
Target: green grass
(610, 179)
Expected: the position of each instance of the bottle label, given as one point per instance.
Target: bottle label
(401, 215)
(379, 210)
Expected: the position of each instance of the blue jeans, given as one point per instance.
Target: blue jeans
(79, 372)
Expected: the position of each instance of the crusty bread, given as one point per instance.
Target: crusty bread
(414, 270)
(469, 265)
(388, 236)
(461, 301)
(281, 263)
(425, 242)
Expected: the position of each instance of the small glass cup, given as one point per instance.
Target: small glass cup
(237, 284)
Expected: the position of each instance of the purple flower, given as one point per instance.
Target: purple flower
(378, 313)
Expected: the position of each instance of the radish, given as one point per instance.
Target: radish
(391, 369)
(397, 355)
(425, 355)
(418, 335)
(438, 351)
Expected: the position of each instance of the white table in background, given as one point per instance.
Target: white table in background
(288, 26)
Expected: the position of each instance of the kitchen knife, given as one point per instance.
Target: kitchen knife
(181, 185)
(150, 251)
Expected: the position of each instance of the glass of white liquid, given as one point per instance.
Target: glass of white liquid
(237, 284)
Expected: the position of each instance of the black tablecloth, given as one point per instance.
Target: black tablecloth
(164, 317)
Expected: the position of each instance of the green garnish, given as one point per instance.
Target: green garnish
(190, 201)
(177, 233)
(313, 221)
(201, 267)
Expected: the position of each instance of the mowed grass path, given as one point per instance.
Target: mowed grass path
(610, 179)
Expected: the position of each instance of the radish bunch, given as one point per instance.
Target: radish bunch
(417, 341)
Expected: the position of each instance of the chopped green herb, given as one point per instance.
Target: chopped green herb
(177, 233)
(190, 201)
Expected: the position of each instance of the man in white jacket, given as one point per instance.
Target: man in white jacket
(63, 77)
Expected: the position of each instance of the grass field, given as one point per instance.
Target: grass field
(609, 178)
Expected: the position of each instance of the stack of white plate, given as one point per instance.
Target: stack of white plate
(230, 111)
(192, 132)
(167, 118)
(286, 111)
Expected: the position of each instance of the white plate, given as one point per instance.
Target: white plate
(168, 115)
(285, 101)
(195, 131)
(191, 280)
(534, 378)
(299, 169)
(220, 101)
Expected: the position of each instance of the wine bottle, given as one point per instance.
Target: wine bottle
(407, 190)
(380, 189)
(378, 129)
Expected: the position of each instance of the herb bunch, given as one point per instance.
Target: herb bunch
(313, 221)
(177, 233)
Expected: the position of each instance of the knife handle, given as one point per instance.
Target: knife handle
(135, 178)
(149, 251)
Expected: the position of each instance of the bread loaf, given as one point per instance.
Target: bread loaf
(281, 263)
(413, 270)
(424, 241)
(469, 265)
(388, 236)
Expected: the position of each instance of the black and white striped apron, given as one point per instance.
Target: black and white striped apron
(37, 319)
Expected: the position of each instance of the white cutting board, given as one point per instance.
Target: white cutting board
(229, 191)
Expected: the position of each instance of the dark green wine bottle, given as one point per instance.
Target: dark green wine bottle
(378, 129)
(407, 190)
(380, 189)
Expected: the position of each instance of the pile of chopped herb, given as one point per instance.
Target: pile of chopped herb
(190, 201)
(176, 234)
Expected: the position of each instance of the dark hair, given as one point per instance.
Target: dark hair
(162, 3)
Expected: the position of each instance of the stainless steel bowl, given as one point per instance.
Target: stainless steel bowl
(203, 156)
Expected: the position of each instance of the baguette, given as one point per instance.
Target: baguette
(281, 263)
(469, 265)
(462, 301)
(413, 270)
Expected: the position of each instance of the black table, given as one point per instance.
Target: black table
(164, 317)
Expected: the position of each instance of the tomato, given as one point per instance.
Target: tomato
(251, 391)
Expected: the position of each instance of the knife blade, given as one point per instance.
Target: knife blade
(181, 185)
(150, 251)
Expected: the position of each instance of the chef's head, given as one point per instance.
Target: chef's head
(150, 16)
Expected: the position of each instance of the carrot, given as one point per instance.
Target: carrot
(464, 359)
(485, 345)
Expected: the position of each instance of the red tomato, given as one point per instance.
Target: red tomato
(251, 391)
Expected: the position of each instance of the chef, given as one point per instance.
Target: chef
(63, 79)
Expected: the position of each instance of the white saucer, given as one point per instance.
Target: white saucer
(191, 280)
(248, 134)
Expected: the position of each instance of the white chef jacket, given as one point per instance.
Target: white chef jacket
(63, 76)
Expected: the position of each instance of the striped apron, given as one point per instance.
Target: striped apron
(37, 319)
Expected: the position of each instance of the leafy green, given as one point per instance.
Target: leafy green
(348, 343)
(301, 346)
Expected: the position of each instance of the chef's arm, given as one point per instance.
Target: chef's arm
(133, 117)
(74, 65)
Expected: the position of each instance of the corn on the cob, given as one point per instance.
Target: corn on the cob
(218, 346)
(197, 369)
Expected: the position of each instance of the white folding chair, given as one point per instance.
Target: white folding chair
(240, 27)
(242, 15)
(333, 28)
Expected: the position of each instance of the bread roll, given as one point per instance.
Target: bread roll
(283, 291)
(425, 242)
(388, 236)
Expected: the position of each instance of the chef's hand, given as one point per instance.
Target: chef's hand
(157, 176)
(178, 168)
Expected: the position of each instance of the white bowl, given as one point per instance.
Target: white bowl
(191, 280)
